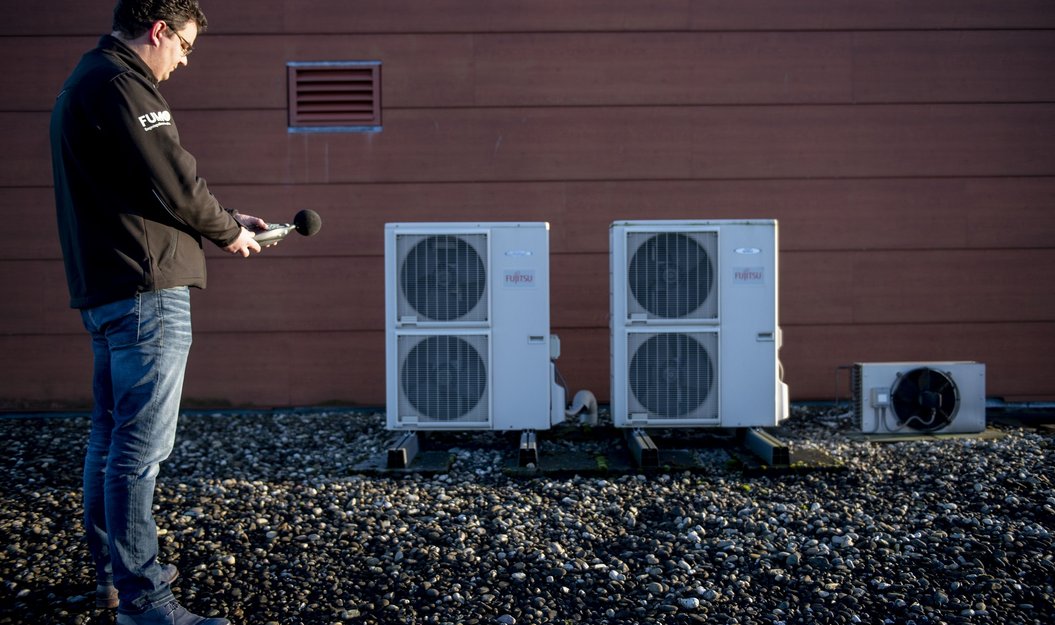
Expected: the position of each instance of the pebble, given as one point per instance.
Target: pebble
(270, 522)
(689, 603)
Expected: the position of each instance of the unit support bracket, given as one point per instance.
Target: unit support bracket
(528, 449)
(403, 451)
(770, 449)
(643, 448)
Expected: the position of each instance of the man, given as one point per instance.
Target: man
(132, 214)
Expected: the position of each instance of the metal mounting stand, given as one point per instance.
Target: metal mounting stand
(767, 447)
(402, 453)
(528, 449)
(644, 450)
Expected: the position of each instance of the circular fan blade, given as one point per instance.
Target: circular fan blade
(444, 377)
(670, 275)
(924, 399)
(671, 375)
(443, 278)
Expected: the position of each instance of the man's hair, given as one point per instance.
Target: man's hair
(132, 18)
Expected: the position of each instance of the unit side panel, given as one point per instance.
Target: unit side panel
(749, 331)
(521, 303)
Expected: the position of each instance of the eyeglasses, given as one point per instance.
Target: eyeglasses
(184, 45)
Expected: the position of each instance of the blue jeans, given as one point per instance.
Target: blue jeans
(140, 347)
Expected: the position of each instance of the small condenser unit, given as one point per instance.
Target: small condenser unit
(467, 327)
(919, 397)
(694, 328)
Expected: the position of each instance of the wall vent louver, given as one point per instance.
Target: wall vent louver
(334, 96)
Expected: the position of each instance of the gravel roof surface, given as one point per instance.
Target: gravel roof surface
(269, 522)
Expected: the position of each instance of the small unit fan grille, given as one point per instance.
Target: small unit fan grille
(924, 399)
(857, 391)
(442, 277)
(443, 378)
(673, 375)
(672, 275)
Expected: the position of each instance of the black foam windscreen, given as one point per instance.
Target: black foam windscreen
(307, 222)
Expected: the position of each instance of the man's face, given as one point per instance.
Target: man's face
(175, 46)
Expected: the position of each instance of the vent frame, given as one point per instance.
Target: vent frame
(349, 113)
(472, 245)
(472, 348)
(659, 384)
(702, 245)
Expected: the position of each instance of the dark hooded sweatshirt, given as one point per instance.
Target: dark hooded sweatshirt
(132, 211)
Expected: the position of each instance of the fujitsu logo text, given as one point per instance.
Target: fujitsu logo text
(519, 278)
(151, 121)
(749, 275)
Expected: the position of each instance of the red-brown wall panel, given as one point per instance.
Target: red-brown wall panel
(870, 14)
(29, 217)
(313, 16)
(601, 143)
(636, 143)
(551, 69)
(262, 294)
(812, 355)
(585, 360)
(237, 72)
(852, 214)
(46, 371)
(763, 68)
(849, 214)
(926, 287)
(972, 66)
(36, 300)
(336, 16)
(279, 368)
(249, 72)
(823, 214)
(34, 69)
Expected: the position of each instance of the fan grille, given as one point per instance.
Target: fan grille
(671, 275)
(443, 277)
(672, 375)
(444, 378)
(924, 399)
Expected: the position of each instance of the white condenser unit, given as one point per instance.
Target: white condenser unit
(694, 328)
(467, 327)
(919, 397)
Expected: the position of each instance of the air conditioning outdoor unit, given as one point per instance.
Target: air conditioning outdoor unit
(919, 397)
(694, 329)
(468, 341)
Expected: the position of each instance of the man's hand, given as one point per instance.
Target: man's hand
(244, 244)
(253, 223)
